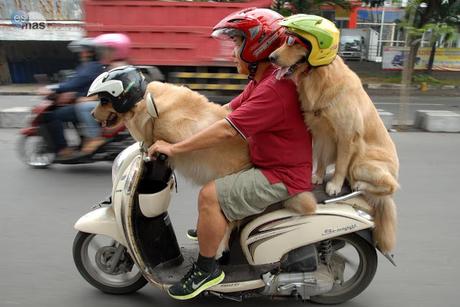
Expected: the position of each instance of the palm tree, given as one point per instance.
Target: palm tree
(438, 30)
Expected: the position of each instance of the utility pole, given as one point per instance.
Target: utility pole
(406, 79)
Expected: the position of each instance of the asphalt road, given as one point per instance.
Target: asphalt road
(384, 102)
(39, 208)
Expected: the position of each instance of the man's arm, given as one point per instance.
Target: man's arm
(209, 137)
(82, 78)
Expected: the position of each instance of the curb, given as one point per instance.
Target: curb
(425, 120)
(14, 117)
(397, 86)
(17, 93)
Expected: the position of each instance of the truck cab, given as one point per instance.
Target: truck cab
(352, 47)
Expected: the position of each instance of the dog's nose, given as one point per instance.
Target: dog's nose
(92, 114)
(273, 58)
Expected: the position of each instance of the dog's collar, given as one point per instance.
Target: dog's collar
(319, 111)
(151, 107)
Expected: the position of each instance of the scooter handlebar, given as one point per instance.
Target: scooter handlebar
(161, 158)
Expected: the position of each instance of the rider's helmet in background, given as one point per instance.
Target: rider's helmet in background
(320, 35)
(122, 86)
(119, 43)
(84, 44)
(259, 29)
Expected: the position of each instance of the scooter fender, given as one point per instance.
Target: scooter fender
(101, 221)
(269, 237)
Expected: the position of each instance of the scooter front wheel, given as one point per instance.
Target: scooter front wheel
(106, 264)
(34, 151)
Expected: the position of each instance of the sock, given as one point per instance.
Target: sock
(207, 264)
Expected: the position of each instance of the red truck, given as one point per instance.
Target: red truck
(174, 36)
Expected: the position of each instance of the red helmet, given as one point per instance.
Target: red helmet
(259, 28)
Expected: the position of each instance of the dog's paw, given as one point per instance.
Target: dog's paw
(315, 179)
(333, 189)
(359, 186)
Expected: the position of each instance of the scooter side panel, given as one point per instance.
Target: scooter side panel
(100, 221)
(267, 238)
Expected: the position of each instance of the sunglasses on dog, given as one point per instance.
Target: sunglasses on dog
(291, 40)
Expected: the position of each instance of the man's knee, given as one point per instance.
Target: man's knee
(207, 198)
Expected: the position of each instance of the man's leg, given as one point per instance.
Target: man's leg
(55, 124)
(64, 114)
(91, 128)
(212, 225)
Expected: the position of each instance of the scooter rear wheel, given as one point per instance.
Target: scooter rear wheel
(93, 255)
(34, 151)
(359, 260)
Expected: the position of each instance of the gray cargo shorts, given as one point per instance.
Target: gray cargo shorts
(247, 193)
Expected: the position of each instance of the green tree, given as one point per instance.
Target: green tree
(289, 7)
(438, 30)
(420, 16)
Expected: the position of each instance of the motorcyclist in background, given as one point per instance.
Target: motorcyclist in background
(70, 91)
(113, 50)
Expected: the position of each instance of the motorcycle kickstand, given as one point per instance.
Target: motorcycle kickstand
(238, 298)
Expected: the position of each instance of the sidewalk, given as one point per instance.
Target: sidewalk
(19, 89)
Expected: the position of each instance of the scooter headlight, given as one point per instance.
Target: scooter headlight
(132, 176)
(118, 163)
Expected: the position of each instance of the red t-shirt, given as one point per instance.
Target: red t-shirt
(267, 114)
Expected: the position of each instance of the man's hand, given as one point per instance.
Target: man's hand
(66, 98)
(161, 147)
(44, 91)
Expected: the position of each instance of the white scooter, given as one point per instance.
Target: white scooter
(129, 240)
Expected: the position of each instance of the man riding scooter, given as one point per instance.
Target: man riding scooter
(113, 50)
(267, 114)
(69, 92)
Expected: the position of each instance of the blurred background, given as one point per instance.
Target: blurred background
(376, 37)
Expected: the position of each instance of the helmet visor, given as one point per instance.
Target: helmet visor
(227, 34)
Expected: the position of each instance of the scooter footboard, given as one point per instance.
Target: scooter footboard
(101, 221)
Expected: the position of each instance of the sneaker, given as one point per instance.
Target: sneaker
(92, 144)
(192, 234)
(66, 153)
(195, 282)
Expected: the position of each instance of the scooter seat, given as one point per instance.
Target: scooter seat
(319, 190)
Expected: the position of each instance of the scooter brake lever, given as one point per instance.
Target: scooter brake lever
(144, 151)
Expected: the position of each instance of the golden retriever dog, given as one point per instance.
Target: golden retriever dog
(348, 132)
(181, 114)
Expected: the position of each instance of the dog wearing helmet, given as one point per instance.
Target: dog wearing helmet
(346, 127)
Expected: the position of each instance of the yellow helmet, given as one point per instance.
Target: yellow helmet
(321, 34)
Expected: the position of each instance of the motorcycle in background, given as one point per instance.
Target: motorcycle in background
(36, 148)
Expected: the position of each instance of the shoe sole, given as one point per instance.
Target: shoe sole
(192, 238)
(203, 287)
